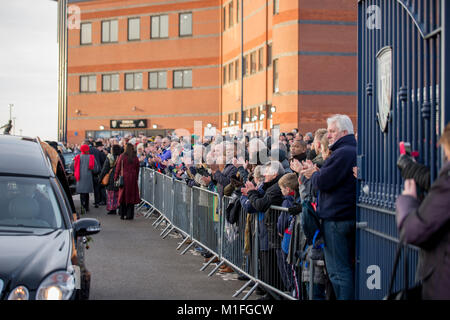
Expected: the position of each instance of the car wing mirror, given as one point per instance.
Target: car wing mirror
(86, 226)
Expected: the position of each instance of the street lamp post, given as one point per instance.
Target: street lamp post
(10, 110)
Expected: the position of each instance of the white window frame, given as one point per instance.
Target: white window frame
(91, 83)
(84, 41)
(112, 37)
(184, 84)
(129, 29)
(135, 76)
(109, 79)
(159, 18)
(179, 22)
(159, 84)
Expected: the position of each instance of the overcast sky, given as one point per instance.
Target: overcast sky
(29, 66)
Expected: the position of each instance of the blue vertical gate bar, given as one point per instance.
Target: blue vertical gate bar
(417, 33)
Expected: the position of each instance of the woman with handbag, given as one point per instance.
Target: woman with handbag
(127, 170)
(427, 225)
(106, 178)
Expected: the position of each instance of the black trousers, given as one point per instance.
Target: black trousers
(84, 199)
(126, 211)
(97, 195)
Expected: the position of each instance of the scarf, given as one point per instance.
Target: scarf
(76, 161)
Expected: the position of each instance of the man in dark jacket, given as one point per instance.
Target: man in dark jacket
(336, 187)
(273, 171)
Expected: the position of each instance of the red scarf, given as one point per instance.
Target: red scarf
(76, 161)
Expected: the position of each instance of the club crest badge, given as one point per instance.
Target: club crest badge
(384, 86)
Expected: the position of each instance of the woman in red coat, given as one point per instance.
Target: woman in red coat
(128, 166)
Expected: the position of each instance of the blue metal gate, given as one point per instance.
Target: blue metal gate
(402, 53)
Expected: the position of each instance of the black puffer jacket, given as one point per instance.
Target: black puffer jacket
(262, 203)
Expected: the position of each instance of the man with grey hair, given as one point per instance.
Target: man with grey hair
(272, 195)
(336, 187)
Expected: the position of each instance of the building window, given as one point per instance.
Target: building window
(185, 24)
(224, 73)
(275, 76)
(157, 80)
(276, 6)
(88, 83)
(236, 69)
(182, 79)
(134, 29)
(133, 81)
(160, 26)
(110, 82)
(86, 33)
(260, 59)
(252, 62)
(237, 11)
(245, 66)
(110, 31)
(224, 18)
(230, 72)
(230, 14)
(269, 55)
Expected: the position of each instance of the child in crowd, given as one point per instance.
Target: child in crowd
(285, 225)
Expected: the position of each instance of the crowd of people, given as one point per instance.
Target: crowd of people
(313, 171)
(312, 175)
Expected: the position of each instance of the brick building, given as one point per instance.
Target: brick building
(153, 66)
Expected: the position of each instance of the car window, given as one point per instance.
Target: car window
(28, 202)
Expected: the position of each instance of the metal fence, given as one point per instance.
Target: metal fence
(199, 215)
(402, 52)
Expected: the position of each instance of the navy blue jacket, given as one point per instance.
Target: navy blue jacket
(335, 182)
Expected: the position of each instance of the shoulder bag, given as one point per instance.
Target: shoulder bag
(119, 182)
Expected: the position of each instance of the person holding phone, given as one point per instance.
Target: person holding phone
(426, 224)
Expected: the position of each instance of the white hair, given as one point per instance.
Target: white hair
(274, 167)
(342, 121)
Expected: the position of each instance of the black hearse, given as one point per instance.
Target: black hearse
(42, 239)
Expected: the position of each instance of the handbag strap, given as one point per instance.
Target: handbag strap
(401, 245)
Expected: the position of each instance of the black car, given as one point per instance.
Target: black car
(42, 241)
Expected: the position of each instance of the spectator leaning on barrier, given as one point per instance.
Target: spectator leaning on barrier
(273, 171)
(336, 187)
(426, 225)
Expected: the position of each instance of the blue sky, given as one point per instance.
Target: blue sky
(29, 66)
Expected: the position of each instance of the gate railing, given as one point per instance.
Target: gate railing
(199, 215)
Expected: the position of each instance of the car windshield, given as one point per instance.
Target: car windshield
(28, 203)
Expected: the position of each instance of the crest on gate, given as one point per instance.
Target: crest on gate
(384, 86)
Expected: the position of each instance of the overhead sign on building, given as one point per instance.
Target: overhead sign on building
(127, 124)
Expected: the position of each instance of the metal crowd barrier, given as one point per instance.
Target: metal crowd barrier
(199, 215)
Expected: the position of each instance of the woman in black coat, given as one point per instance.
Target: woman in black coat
(112, 192)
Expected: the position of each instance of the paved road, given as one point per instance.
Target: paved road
(129, 260)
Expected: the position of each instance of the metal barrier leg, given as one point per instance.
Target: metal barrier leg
(187, 248)
(140, 205)
(149, 213)
(168, 232)
(160, 221)
(311, 280)
(209, 262)
(216, 268)
(181, 244)
(157, 220)
(242, 289)
(251, 291)
(164, 231)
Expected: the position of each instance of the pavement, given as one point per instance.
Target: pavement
(129, 260)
